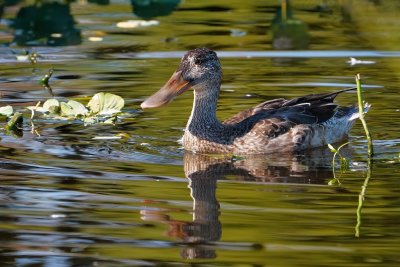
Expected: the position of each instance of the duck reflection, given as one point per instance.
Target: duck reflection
(311, 168)
(205, 226)
(203, 172)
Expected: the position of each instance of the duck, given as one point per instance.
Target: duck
(274, 126)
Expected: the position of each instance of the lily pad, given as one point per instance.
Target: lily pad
(73, 109)
(105, 104)
(6, 111)
(66, 110)
(78, 108)
(102, 108)
(52, 106)
(96, 119)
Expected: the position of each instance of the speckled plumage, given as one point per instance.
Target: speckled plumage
(278, 125)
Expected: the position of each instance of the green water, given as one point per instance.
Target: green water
(67, 199)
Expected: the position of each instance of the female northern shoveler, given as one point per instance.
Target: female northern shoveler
(277, 125)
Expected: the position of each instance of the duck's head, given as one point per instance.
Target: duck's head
(199, 68)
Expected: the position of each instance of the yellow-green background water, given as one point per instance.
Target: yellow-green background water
(69, 200)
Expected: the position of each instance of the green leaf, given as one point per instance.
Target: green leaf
(6, 111)
(105, 104)
(102, 108)
(54, 110)
(51, 105)
(96, 103)
(73, 109)
(78, 108)
(332, 182)
(66, 110)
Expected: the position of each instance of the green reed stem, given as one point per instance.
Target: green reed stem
(363, 192)
(45, 82)
(15, 122)
(362, 117)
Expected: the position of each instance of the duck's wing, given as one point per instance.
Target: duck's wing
(313, 108)
(267, 105)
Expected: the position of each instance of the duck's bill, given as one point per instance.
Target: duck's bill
(175, 86)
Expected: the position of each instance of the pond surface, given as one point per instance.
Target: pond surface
(67, 199)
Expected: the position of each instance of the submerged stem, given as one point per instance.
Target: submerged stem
(342, 159)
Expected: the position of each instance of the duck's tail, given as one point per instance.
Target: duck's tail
(354, 112)
(340, 124)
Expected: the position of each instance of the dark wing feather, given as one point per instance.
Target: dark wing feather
(313, 108)
(268, 105)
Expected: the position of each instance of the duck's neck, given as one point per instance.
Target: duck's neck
(203, 118)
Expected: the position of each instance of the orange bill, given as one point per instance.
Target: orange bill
(175, 86)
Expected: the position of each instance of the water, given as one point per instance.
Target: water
(67, 199)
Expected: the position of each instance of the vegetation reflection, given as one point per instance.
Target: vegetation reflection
(148, 9)
(46, 23)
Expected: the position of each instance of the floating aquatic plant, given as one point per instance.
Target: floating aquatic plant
(28, 56)
(14, 120)
(14, 125)
(105, 104)
(102, 108)
(6, 111)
